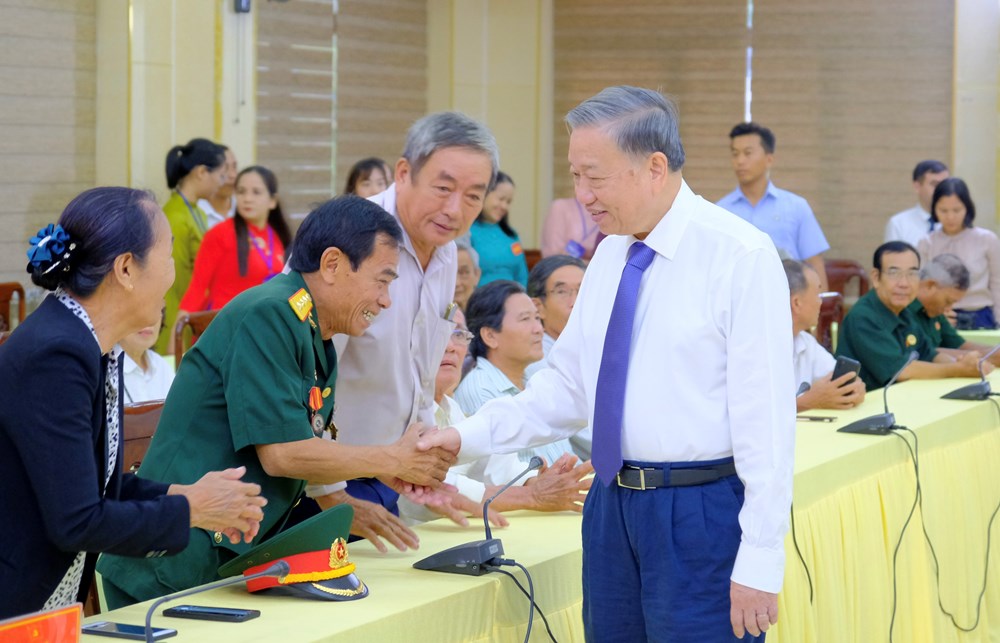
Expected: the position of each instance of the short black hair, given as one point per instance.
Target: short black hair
(539, 275)
(181, 159)
(486, 309)
(347, 222)
(105, 223)
(954, 186)
(892, 248)
(767, 139)
(929, 166)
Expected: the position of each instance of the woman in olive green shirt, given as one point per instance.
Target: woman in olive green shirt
(194, 171)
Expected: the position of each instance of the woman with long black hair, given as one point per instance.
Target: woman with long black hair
(244, 251)
(194, 171)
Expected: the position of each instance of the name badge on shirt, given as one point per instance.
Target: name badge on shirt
(574, 249)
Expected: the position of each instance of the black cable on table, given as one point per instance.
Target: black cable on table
(915, 453)
(795, 541)
(548, 629)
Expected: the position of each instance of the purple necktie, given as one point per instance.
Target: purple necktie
(609, 400)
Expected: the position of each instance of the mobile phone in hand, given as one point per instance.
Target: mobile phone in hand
(844, 366)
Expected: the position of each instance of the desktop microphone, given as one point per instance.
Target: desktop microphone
(473, 558)
(882, 423)
(980, 390)
(278, 569)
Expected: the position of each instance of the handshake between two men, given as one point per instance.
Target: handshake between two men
(429, 484)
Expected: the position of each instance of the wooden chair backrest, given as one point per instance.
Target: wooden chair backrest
(189, 325)
(138, 427)
(7, 292)
(831, 314)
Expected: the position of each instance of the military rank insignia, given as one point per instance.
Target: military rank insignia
(301, 304)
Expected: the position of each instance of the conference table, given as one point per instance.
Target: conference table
(852, 496)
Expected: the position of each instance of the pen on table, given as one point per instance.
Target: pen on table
(815, 418)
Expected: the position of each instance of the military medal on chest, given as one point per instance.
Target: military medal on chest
(315, 404)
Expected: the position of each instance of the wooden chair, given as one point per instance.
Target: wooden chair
(7, 292)
(532, 256)
(138, 426)
(848, 277)
(831, 314)
(197, 323)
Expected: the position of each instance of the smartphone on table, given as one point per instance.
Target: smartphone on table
(124, 631)
(225, 614)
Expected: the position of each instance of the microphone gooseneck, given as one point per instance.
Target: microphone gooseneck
(278, 569)
(534, 463)
(885, 391)
(979, 365)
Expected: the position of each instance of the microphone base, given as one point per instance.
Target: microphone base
(880, 424)
(973, 392)
(469, 558)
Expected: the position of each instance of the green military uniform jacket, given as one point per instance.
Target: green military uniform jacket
(880, 339)
(188, 226)
(245, 382)
(938, 330)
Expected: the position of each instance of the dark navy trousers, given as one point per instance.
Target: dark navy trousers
(657, 563)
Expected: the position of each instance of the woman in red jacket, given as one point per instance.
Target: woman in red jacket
(244, 251)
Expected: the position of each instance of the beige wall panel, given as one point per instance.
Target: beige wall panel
(382, 53)
(47, 118)
(47, 25)
(20, 51)
(295, 100)
(863, 96)
(151, 104)
(81, 7)
(701, 68)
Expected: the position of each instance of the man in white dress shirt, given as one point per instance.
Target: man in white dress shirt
(813, 364)
(671, 550)
(385, 377)
(914, 224)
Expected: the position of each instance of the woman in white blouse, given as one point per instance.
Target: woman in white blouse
(148, 375)
(978, 248)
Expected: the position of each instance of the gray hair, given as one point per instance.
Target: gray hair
(947, 271)
(449, 129)
(795, 272)
(463, 244)
(641, 121)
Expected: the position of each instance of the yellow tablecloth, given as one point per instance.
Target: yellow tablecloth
(852, 496)
(991, 337)
(409, 605)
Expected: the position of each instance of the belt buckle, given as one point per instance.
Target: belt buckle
(642, 478)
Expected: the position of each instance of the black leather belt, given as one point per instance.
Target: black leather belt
(643, 478)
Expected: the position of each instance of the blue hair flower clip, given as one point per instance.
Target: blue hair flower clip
(52, 245)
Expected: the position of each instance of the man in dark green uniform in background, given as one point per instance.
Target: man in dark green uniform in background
(256, 390)
(944, 281)
(880, 331)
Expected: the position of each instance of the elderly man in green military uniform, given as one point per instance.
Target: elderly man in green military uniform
(944, 281)
(256, 390)
(881, 331)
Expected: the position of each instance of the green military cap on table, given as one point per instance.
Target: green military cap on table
(316, 553)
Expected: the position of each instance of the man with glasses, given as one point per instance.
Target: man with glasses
(553, 285)
(559, 487)
(880, 331)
